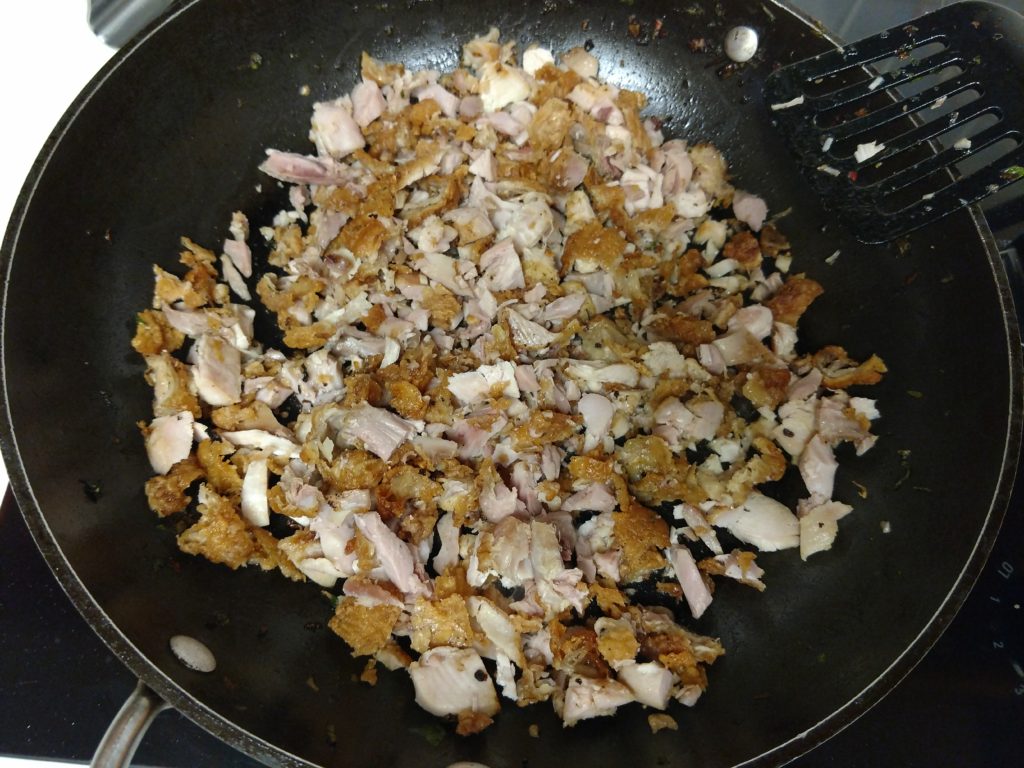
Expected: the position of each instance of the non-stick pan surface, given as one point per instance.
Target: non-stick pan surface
(166, 141)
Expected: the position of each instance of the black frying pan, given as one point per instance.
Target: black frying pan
(165, 142)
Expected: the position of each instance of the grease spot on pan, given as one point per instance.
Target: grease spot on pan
(193, 654)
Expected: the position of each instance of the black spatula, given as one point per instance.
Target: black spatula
(905, 127)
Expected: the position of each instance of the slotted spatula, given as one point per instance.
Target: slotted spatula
(912, 124)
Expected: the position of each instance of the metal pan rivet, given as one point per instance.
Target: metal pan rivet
(193, 654)
(741, 44)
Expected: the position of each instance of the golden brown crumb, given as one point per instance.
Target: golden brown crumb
(793, 299)
(222, 536)
(593, 243)
(442, 305)
(661, 721)
(406, 399)
(550, 124)
(166, 493)
(840, 372)
(369, 673)
(353, 469)
(534, 730)
(544, 428)
(222, 476)
(365, 628)
(308, 337)
(744, 248)
(441, 622)
(609, 599)
(642, 534)
(472, 722)
(575, 650)
(615, 640)
(153, 334)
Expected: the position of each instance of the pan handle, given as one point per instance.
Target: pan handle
(127, 729)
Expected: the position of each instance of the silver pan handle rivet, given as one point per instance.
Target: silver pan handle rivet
(741, 44)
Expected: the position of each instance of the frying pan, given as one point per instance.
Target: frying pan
(165, 141)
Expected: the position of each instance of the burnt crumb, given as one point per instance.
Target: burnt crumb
(588, 45)
(313, 626)
(262, 631)
(480, 675)
(92, 490)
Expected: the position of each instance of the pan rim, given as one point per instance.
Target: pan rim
(222, 727)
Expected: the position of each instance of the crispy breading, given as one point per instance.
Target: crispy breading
(362, 236)
(534, 685)
(452, 582)
(288, 244)
(744, 248)
(574, 650)
(772, 241)
(353, 470)
(308, 337)
(369, 673)
(793, 299)
(766, 465)
(544, 428)
(362, 388)
(380, 195)
(222, 476)
(550, 124)
(153, 334)
(443, 306)
(683, 329)
(166, 493)
(303, 292)
(659, 721)
(416, 365)
(594, 245)
(615, 640)
(554, 84)
(439, 622)
(470, 722)
(222, 536)
(766, 386)
(642, 534)
(367, 629)
(254, 415)
(609, 599)
(406, 399)
(409, 495)
(839, 371)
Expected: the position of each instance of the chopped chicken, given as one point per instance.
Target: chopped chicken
(453, 680)
(761, 521)
(586, 698)
(169, 440)
(696, 592)
(217, 370)
(334, 131)
(528, 354)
